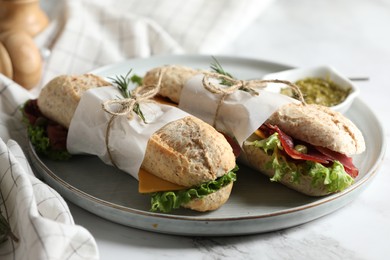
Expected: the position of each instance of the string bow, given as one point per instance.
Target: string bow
(230, 85)
(142, 94)
(129, 106)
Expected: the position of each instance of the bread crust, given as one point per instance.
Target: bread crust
(257, 159)
(212, 201)
(58, 100)
(319, 126)
(173, 80)
(188, 152)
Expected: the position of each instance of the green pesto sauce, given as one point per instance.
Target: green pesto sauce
(319, 91)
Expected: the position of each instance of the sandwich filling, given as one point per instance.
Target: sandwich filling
(166, 201)
(47, 137)
(287, 156)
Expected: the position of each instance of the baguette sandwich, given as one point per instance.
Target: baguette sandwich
(304, 147)
(307, 148)
(187, 163)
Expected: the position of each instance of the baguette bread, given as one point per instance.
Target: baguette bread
(187, 152)
(212, 201)
(174, 79)
(59, 98)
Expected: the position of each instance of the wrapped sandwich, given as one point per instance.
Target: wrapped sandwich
(184, 162)
(305, 147)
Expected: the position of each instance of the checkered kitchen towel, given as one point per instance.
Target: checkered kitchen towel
(38, 216)
(84, 35)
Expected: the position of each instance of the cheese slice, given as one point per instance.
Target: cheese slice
(148, 183)
(164, 101)
(259, 133)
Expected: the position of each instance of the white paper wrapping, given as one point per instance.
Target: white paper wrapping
(128, 138)
(240, 114)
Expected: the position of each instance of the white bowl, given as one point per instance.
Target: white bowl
(325, 72)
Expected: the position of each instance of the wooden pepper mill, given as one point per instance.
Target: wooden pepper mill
(20, 59)
(23, 15)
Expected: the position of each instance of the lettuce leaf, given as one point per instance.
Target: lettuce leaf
(37, 133)
(334, 177)
(41, 143)
(166, 201)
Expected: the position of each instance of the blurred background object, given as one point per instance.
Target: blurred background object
(20, 58)
(20, 21)
(24, 15)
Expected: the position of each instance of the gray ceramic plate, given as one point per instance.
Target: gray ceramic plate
(256, 205)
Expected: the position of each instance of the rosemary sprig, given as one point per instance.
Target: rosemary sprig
(123, 82)
(217, 67)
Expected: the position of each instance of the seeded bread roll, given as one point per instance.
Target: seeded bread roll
(319, 126)
(59, 98)
(212, 201)
(173, 81)
(188, 152)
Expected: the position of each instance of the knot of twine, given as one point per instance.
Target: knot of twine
(140, 95)
(231, 85)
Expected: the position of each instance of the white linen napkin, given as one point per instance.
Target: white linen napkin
(84, 35)
(38, 216)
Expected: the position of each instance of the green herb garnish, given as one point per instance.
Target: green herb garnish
(137, 80)
(123, 82)
(217, 67)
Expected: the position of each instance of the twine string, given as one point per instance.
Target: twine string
(140, 95)
(233, 85)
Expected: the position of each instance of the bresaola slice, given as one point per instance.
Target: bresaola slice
(288, 146)
(315, 153)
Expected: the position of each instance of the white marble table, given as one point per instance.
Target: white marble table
(352, 36)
